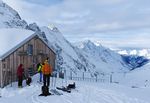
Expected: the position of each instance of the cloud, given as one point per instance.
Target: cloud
(109, 21)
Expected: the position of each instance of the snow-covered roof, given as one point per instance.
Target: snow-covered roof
(10, 39)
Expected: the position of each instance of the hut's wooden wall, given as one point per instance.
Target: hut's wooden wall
(40, 52)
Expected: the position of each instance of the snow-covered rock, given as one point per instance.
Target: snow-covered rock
(68, 56)
(135, 61)
(10, 18)
(103, 58)
(135, 57)
(34, 27)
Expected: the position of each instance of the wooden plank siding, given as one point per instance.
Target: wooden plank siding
(8, 66)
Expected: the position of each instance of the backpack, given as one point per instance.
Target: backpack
(28, 81)
(47, 69)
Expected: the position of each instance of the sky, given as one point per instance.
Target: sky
(113, 23)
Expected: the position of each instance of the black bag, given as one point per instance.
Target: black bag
(71, 86)
(45, 91)
(28, 81)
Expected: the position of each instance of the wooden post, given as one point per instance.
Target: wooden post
(111, 77)
(96, 78)
(83, 76)
(70, 74)
(1, 74)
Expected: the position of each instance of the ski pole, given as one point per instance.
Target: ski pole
(55, 80)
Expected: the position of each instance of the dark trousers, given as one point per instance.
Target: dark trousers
(20, 79)
(46, 79)
(40, 76)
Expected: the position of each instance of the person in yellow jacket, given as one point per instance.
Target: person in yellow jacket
(47, 71)
(39, 69)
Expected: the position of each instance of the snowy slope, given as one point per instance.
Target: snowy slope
(138, 77)
(103, 58)
(85, 92)
(68, 56)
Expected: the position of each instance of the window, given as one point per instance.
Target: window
(30, 49)
(4, 65)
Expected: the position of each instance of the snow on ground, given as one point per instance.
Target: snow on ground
(86, 92)
(139, 77)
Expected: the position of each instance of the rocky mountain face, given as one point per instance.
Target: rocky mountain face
(135, 61)
(104, 59)
(10, 18)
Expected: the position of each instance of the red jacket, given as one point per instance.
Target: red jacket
(20, 70)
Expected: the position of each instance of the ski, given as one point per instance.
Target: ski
(54, 91)
(64, 89)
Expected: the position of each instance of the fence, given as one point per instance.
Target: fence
(87, 79)
(85, 76)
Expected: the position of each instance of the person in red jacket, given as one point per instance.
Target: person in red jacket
(20, 74)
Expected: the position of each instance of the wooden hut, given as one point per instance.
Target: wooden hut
(25, 47)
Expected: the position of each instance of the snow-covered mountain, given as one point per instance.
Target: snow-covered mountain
(10, 18)
(103, 58)
(135, 61)
(135, 57)
(90, 58)
(68, 56)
